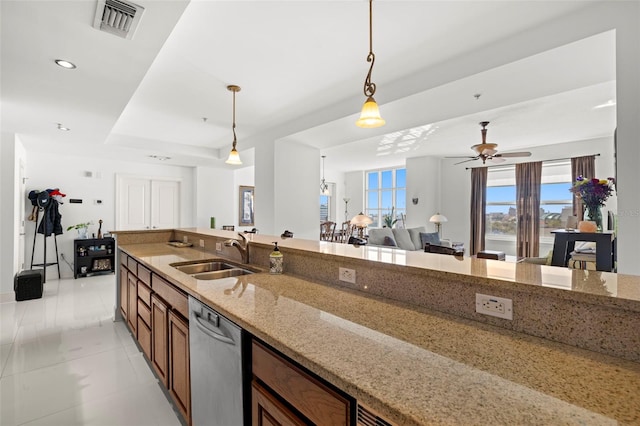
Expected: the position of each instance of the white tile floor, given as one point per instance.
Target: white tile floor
(63, 361)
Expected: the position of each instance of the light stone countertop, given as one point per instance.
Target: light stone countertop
(412, 365)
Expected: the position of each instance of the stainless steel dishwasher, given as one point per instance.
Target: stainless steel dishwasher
(216, 349)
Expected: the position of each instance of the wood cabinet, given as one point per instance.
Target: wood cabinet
(124, 292)
(160, 336)
(155, 311)
(132, 297)
(266, 410)
(179, 380)
(293, 393)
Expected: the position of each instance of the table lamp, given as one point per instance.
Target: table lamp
(361, 221)
(438, 219)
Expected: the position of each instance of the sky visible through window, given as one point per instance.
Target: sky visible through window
(549, 192)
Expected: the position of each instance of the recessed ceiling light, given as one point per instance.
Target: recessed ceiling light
(160, 157)
(65, 64)
(64, 129)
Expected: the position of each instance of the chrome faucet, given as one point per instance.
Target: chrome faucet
(243, 247)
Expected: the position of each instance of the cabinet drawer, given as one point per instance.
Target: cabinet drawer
(123, 258)
(144, 312)
(307, 394)
(144, 293)
(144, 275)
(132, 265)
(144, 337)
(174, 297)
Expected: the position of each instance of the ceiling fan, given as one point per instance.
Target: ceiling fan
(488, 151)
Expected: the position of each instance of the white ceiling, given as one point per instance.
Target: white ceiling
(301, 66)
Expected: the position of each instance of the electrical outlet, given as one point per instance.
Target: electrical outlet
(347, 275)
(218, 246)
(494, 306)
(185, 239)
(202, 243)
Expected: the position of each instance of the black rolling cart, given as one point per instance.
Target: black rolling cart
(94, 256)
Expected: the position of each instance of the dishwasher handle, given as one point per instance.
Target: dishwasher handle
(212, 329)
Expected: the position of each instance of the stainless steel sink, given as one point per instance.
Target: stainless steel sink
(236, 272)
(197, 268)
(212, 269)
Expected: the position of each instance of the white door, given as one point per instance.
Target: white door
(134, 199)
(165, 204)
(145, 203)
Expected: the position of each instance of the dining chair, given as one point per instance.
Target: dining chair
(346, 231)
(326, 230)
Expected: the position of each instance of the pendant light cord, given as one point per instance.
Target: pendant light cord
(233, 127)
(369, 87)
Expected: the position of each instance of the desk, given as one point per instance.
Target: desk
(565, 241)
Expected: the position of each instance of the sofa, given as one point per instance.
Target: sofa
(411, 239)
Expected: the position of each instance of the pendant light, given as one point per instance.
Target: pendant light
(324, 187)
(234, 157)
(370, 115)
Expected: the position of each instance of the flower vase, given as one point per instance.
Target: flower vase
(594, 214)
(82, 233)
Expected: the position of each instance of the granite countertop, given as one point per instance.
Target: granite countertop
(412, 365)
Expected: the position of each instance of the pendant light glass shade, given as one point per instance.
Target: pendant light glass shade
(234, 158)
(370, 115)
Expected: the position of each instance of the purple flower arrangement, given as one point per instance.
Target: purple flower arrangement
(593, 192)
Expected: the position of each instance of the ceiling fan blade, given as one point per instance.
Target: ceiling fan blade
(464, 156)
(466, 161)
(495, 160)
(513, 154)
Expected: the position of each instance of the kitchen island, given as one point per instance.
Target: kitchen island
(411, 363)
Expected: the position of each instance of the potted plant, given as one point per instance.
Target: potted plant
(390, 219)
(82, 229)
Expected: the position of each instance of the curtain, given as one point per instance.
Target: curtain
(528, 180)
(586, 167)
(478, 207)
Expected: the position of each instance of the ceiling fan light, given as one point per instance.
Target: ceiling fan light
(370, 115)
(234, 158)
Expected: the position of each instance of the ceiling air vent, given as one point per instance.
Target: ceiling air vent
(117, 17)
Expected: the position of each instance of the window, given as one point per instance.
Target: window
(555, 200)
(325, 203)
(386, 189)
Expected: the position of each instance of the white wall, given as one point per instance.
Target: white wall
(68, 173)
(423, 182)
(264, 196)
(297, 201)
(354, 190)
(11, 154)
(214, 197)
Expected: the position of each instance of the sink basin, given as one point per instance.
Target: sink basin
(213, 269)
(214, 275)
(197, 268)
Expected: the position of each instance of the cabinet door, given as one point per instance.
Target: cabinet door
(124, 292)
(165, 204)
(132, 312)
(159, 339)
(144, 337)
(179, 382)
(266, 410)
